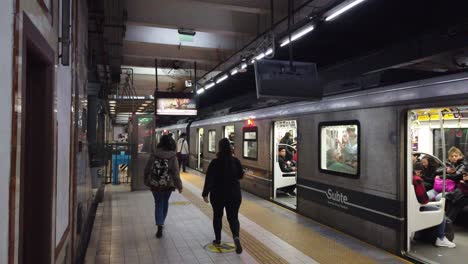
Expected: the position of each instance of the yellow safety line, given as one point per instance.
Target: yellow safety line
(256, 249)
(312, 244)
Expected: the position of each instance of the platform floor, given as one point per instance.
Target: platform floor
(124, 232)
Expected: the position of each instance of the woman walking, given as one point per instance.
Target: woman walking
(222, 184)
(162, 176)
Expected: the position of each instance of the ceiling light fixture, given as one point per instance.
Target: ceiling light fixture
(144, 104)
(222, 78)
(112, 102)
(243, 66)
(260, 56)
(298, 34)
(340, 9)
(208, 86)
(234, 72)
(200, 91)
(252, 61)
(269, 51)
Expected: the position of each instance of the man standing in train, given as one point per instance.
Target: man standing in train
(182, 151)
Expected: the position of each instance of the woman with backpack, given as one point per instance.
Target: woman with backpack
(223, 186)
(162, 176)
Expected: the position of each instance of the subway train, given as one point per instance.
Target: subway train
(353, 165)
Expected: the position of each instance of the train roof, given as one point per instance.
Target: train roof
(446, 86)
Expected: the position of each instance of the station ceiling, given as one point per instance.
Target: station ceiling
(385, 41)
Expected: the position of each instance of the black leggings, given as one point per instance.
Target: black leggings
(232, 211)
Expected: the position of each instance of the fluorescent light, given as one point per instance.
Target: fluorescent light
(340, 9)
(296, 35)
(112, 102)
(208, 86)
(252, 61)
(149, 102)
(269, 51)
(222, 78)
(260, 56)
(144, 104)
(234, 72)
(200, 91)
(243, 65)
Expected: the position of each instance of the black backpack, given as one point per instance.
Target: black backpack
(159, 176)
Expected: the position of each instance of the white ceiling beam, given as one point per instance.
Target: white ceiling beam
(245, 6)
(167, 36)
(172, 52)
(191, 15)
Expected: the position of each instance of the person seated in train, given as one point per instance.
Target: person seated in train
(294, 159)
(415, 158)
(351, 147)
(430, 170)
(334, 164)
(287, 140)
(286, 167)
(458, 199)
(421, 195)
(454, 168)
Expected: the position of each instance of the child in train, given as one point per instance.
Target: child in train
(421, 195)
(454, 168)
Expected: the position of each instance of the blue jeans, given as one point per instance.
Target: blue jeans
(161, 203)
(441, 226)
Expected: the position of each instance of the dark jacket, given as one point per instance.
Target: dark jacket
(428, 175)
(222, 179)
(173, 168)
(283, 166)
(289, 150)
(459, 166)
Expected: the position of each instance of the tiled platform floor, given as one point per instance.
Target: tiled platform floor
(124, 232)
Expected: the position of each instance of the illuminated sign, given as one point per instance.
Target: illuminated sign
(176, 106)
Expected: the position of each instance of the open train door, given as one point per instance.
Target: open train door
(284, 162)
(432, 135)
(200, 149)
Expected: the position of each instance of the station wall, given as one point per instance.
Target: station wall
(63, 149)
(6, 51)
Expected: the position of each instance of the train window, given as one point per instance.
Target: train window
(250, 145)
(229, 134)
(212, 141)
(339, 148)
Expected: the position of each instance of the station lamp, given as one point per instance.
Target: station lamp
(208, 86)
(222, 78)
(341, 8)
(297, 34)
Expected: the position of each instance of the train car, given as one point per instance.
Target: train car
(351, 166)
(174, 130)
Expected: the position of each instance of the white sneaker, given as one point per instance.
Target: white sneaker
(444, 243)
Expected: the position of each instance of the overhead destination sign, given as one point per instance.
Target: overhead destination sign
(176, 106)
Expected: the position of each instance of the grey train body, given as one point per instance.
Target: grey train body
(372, 206)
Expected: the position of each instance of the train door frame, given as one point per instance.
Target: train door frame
(413, 207)
(38, 137)
(200, 148)
(275, 167)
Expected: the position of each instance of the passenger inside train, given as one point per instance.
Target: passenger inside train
(286, 166)
(334, 163)
(441, 240)
(439, 141)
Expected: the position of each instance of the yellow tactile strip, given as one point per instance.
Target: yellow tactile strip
(314, 245)
(256, 249)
